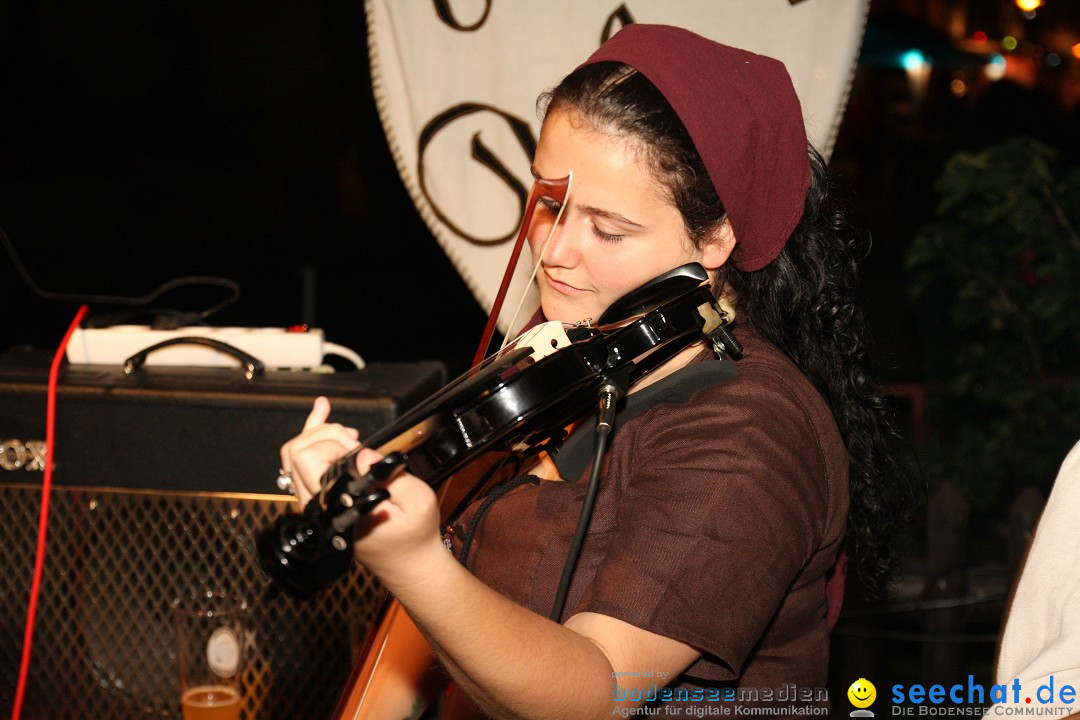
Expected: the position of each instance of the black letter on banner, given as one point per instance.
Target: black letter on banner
(442, 9)
(483, 155)
(621, 15)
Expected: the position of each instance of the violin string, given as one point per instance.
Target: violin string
(536, 265)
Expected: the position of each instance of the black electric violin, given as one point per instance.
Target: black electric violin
(518, 400)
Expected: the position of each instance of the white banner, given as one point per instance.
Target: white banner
(456, 83)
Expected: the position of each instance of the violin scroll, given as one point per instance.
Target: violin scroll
(303, 553)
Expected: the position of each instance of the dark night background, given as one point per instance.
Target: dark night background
(148, 141)
(145, 141)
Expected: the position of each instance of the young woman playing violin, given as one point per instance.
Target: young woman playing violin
(723, 508)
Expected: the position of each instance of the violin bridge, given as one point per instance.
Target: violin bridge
(544, 339)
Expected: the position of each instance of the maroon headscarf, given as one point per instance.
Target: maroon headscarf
(744, 117)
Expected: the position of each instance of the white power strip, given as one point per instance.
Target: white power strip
(275, 347)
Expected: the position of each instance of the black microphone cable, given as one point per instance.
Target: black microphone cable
(177, 320)
(609, 396)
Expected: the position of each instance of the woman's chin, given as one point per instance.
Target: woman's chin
(568, 312)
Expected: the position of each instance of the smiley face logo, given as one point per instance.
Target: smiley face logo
(862, 693)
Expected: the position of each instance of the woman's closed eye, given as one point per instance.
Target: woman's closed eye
(553, 206)
(550, 204)
(605, 236)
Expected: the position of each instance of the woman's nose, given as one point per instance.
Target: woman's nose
(564, 247)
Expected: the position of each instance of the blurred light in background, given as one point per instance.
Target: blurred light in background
(913, 61)
(995, 67)
(918, 72)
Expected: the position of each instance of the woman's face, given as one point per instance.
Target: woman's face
(619, 229)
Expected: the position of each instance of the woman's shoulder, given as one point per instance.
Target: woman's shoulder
(765, 369)
(767, 384)
(768, 401)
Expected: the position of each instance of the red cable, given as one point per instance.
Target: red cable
(46, 488)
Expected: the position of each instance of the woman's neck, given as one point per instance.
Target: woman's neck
(677, 362)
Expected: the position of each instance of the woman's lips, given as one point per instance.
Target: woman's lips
(562, 287)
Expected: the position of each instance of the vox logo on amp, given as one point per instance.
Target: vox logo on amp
(26, 455)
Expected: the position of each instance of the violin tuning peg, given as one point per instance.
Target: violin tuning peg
(371, 501)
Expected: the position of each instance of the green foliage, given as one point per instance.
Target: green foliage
(996, 276)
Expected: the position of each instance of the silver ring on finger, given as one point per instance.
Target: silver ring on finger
(285, 482)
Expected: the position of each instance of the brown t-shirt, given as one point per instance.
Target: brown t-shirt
(718, 517)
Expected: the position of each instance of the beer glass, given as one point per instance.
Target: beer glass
(209, 651)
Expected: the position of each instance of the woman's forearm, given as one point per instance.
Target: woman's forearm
(512, 662)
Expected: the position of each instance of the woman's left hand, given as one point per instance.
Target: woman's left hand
(308, 455)
(400, 537)
(399, 540)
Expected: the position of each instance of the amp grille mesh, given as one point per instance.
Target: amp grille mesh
(116, 560)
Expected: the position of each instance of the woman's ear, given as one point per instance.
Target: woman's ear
(717, 246)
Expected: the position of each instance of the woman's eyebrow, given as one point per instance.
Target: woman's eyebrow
(608, 215)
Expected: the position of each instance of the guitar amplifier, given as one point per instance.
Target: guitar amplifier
(161, 481)
(173, 428)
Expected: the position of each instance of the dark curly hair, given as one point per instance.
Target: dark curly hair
(804, 301)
